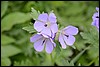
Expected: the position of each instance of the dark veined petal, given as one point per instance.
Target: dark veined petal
(69, 39)
(39, 45)
(54, 44)
(45, 35)
(71, 30)
(61, 40)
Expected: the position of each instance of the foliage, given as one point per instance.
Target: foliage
(17, 28)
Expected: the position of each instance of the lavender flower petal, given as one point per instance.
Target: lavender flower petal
(38, 26)
(69, 40)
(94, 15)
(95, 18)
(39, 45)
(46, 25)
(52, 18)
(54, 44)
(52, 15)
(49, 46)
(43, 17)
(35, 38)
(62, 41)
(71, 30)
(46, 31)
(97, 9)
(45, 35)
(54, 28)
(97, 24)
(93, 23)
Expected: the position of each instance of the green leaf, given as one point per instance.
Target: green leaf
(91, 36)
(66, 52)
(26, 62)
(9, 50)
(13, 18)
(79, 55)
(93, 61)
(30, 29)
(5, 61)
(34, 13)
(48, 61)
(4, 5)
(57, 49)
(79, 43)
(63, 62)
(92, 50)
(6, 39)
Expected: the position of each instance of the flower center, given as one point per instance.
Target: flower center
(47, 24)
(63, 32)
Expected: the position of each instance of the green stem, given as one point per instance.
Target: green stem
(92, 61)
(80, 54)
(52, 59)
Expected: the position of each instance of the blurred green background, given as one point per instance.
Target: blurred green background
(17, 50)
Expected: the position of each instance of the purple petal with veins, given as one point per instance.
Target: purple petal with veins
(69, 40)
(40, 42)
(39, 45)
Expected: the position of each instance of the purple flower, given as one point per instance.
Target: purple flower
(40, 42)
(46, 25)
(95, 18)
(66, 36)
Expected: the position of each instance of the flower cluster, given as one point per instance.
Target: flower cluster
(95, 18)
(47, 28)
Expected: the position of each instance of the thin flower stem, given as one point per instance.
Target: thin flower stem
(57, 35)
(52, 59)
